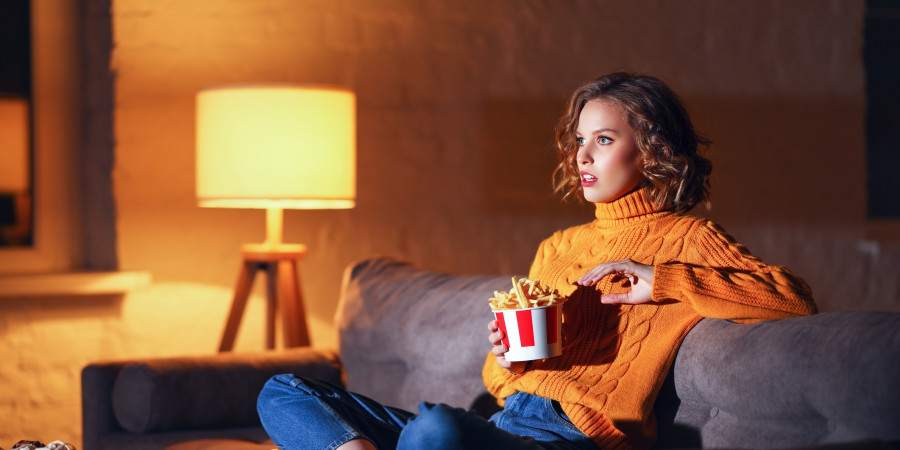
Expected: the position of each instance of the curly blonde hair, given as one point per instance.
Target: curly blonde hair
(676, 174)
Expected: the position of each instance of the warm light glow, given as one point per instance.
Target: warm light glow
(14, 172)
(276, 147)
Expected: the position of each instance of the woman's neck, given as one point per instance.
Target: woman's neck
(628, 209)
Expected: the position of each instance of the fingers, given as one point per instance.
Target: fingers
(499, 350)
(626, 268)
(640, 292)
(514, 367)
(517, 367)
(616, 298)
(639, 278)
(596, 274)
(496, 335)
(496, 338)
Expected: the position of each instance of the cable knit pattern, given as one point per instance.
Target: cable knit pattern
(616, 357)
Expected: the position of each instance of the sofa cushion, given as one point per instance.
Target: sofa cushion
(409, 335)
(195, 393)
(825, 378)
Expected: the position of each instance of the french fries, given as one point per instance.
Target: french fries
(525, 293)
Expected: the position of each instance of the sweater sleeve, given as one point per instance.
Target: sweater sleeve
(721, 279)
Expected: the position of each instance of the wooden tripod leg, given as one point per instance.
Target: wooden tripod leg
(241, 292)
(292, 312)
(271, 302)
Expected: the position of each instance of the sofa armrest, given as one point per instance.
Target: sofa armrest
(820, 379)
(97, 418)
(202, 392)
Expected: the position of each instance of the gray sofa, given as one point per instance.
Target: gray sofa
(406, 335)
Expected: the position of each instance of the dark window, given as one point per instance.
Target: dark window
(15, 37)
(882, 64)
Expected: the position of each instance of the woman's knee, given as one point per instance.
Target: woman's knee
(269, 397)
(286, 391)
(436, 427)
(295, 413)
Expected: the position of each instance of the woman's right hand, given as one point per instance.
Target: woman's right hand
(500, 350)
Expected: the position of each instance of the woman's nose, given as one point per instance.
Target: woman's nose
(582, 156)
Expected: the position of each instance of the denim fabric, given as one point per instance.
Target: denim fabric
(299, 413)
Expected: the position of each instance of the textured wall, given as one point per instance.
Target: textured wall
(457, 101)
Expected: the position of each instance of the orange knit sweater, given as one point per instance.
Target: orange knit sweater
(616, 357)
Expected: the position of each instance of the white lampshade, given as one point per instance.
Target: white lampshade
(14, 166)
(276, 146)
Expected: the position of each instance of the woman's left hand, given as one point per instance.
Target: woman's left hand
(639, 276)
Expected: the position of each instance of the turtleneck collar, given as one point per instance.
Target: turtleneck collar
(628, 209)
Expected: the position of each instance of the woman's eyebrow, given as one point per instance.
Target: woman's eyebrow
(600, 131)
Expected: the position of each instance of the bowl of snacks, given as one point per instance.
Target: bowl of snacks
(530, 316)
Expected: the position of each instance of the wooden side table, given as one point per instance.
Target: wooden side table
(283, 293)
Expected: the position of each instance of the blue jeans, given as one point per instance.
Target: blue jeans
(299, 413)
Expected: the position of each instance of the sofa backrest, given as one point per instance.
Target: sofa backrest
(408, 335)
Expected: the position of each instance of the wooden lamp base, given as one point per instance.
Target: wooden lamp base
(283, 293)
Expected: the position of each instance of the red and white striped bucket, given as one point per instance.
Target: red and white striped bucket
(532, 333)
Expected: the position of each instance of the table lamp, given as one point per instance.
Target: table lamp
(274, 147)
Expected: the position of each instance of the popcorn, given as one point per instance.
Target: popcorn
(38, 445)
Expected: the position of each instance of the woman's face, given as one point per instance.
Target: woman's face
(608, 157)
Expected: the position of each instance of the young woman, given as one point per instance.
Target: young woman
(642, 273)
(638, 277)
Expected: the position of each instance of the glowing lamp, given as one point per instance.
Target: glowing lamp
(274, 147)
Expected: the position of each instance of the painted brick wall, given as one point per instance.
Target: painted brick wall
(457, 101)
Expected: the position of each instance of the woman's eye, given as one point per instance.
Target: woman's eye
(580, 141)
(603, 140)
